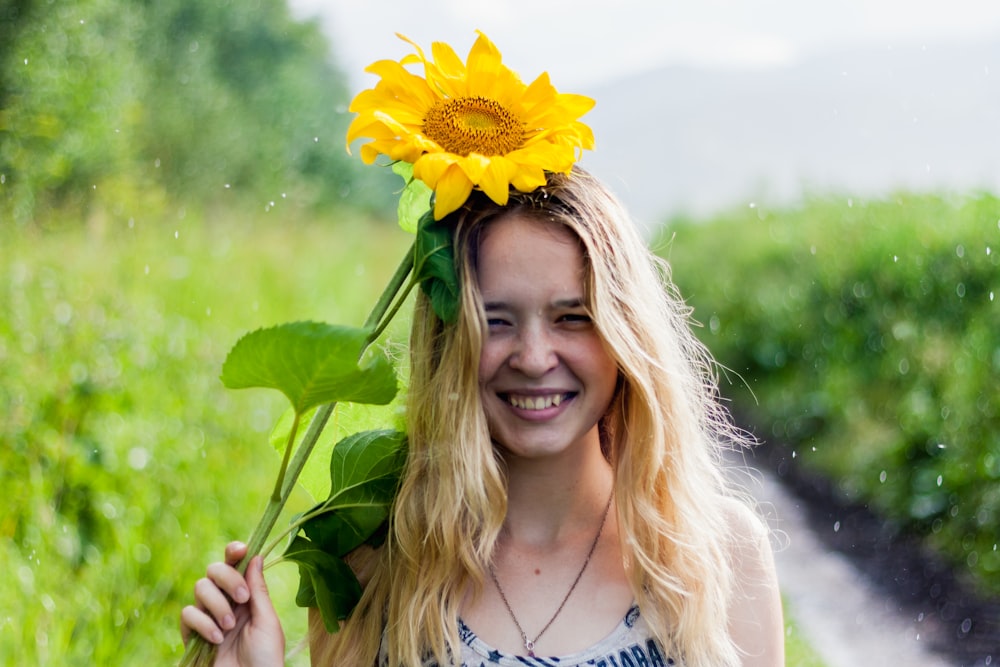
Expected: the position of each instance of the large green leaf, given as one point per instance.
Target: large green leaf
(311, 363)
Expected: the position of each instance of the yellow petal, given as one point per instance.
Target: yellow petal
(453, 188)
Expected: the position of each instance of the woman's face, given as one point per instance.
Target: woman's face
(545, 376)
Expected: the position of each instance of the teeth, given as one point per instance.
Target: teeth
(536, 402)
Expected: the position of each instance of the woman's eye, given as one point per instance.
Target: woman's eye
(575, 318)
(495, 322)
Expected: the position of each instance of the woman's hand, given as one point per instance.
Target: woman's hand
(236, 614)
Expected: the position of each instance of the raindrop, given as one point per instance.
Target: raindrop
(283, 195)
(920, 617)
(3, 178)
(714, 324)
(177, 234)
(895, 258)
(904, 367)
(131, 223)
(850, 203)
(753, 205)
(208, 311)
(25, 61)
(960, 250)
(991, 295)
(882, 477)
(836, 527)
(794, 454)
(227, 186)
(988, 250)
(147, 269)
(960, 290)
(156, 163)
(966, 626)
(315, 139)
(940, 480)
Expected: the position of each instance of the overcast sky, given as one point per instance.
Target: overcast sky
(585, 42)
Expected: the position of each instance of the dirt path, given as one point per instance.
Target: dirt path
(836, 611)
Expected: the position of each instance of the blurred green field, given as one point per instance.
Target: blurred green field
(126, 464)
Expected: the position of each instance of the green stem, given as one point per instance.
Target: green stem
(374, 335)
(276, 494)
(385, 300)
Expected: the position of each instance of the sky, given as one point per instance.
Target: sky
(745, 100)
(582, 43)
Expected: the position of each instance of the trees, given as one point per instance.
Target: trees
(117, 106)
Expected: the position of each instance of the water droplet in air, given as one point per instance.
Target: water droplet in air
(940, 480)
(966, 626)
(836, 527)
(882, 477)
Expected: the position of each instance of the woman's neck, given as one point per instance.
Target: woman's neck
(551, 501)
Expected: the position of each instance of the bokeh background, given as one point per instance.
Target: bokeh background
(822, 176)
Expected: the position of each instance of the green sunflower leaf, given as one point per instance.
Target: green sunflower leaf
(434, 266)
(414, 200)
(364, 476)
(325, 582)
(312, 364)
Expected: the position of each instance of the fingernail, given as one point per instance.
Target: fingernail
(242, 594)
(216, 637)
(228, 622)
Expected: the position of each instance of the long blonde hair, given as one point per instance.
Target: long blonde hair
(664, 434)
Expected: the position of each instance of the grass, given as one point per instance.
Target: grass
(127, 466)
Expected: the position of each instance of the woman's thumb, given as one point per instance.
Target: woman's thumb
(260, 600)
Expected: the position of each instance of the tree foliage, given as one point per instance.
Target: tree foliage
(108, 106)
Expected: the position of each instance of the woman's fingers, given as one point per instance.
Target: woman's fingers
(196, 620)
(216, 595)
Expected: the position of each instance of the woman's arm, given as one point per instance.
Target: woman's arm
(756, 622)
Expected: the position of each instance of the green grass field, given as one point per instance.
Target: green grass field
(126, 465)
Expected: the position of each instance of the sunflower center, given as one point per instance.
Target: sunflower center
(474, 125)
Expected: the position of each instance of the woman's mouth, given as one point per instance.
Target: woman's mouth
(536, 402)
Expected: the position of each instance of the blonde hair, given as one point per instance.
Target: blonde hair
(664, 434)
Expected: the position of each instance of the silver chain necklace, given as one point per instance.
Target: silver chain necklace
(529, 644)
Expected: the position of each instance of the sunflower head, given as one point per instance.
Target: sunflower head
(472, 124)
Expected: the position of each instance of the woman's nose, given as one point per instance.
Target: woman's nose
(536, 352)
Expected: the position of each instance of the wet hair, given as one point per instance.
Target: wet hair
(664, 435)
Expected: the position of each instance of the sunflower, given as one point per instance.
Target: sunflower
(467, 125)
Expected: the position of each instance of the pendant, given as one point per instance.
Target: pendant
(530, 645)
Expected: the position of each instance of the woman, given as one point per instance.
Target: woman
(564, 494)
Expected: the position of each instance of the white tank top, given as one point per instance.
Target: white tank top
(631, 644)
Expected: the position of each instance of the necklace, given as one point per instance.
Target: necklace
(529, 644)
